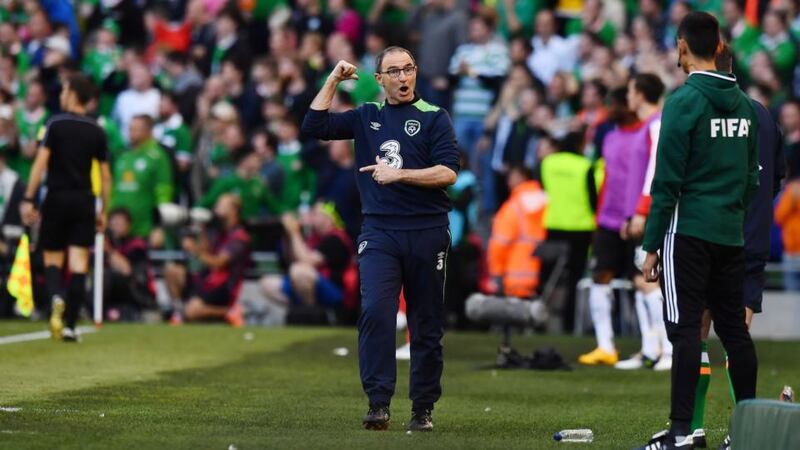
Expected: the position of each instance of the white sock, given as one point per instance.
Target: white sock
(655, 304)
(600, 306)
(647, 327)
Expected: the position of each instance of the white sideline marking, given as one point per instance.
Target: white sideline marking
(10, 409)
(38, 335)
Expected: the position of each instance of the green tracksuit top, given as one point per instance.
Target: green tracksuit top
(142, 181)
(707, 163)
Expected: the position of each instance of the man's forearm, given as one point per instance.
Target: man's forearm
(432, 177)
(322, 102)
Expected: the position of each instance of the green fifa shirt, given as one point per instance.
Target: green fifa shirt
(254, 194)
(142, 181)
(706, 163)
(565, 178)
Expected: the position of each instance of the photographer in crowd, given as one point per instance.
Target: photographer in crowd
(217, 259)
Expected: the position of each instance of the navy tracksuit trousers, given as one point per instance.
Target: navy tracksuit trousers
(416, 261)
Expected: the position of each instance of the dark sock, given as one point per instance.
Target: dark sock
(680, 428)
(76, 297)
(54, 282)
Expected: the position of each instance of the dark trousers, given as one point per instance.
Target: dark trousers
(698, 274)
(414, 260)
(578, 242)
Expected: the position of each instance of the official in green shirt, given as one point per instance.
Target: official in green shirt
(706, 174)
(142, 177)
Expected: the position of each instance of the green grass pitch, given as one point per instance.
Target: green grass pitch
(210, 387)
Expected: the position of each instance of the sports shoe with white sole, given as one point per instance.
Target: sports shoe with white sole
(56, 322)
(377, 418)
(664, 440)
(637, 361)
(71, 335)
(598, 356)
(663, 364)
(726, 444)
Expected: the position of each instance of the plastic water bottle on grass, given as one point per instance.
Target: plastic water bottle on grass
(582, 435)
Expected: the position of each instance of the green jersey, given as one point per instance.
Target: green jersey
(99, 64)
(254, 194)
(29, 126)
(175, 135)
(297, 177)
(706, 163)
(142, 181)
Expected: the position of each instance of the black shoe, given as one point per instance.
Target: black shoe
(377, 418)
(421, 420)
(699, 436)
(664, 440)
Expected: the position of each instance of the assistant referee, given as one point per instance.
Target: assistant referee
(69, 217)
(706, 175)
(406, 151)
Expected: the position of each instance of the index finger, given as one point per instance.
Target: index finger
(368, 168)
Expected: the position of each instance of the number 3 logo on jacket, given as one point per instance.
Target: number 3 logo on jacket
(392, 156)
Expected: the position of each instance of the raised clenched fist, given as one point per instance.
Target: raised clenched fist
(344, 71)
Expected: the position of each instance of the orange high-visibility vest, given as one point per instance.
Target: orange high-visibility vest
(517, 230)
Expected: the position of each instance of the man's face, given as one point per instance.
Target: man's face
(545, 24)
(35, 96)
(119, 226)
(790, 118)
(139, 132)
(400, 89)
(166, 108)
(140, 78)
(478, 31)
(225, 208)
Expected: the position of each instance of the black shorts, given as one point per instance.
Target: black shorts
(611, 253)
(754, 281)
(68, 219)
(221, 296)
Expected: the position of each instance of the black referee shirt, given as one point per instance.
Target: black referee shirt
(73, 141)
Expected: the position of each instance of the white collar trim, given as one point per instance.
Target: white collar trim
(712, 74)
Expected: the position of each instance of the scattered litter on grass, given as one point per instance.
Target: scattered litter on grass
(231, 447)
(487, 409)
(341, 351)
(102, 414)
(408, 433)
(249, 336)
(10, 409)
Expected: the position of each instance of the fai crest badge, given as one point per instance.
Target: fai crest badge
(361, 247)
(412, 127)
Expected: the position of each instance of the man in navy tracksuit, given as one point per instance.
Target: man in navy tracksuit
(406, 152)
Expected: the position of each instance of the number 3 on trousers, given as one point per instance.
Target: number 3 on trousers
(392, 156)
(440, 261)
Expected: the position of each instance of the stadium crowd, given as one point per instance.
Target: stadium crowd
(202, 102)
